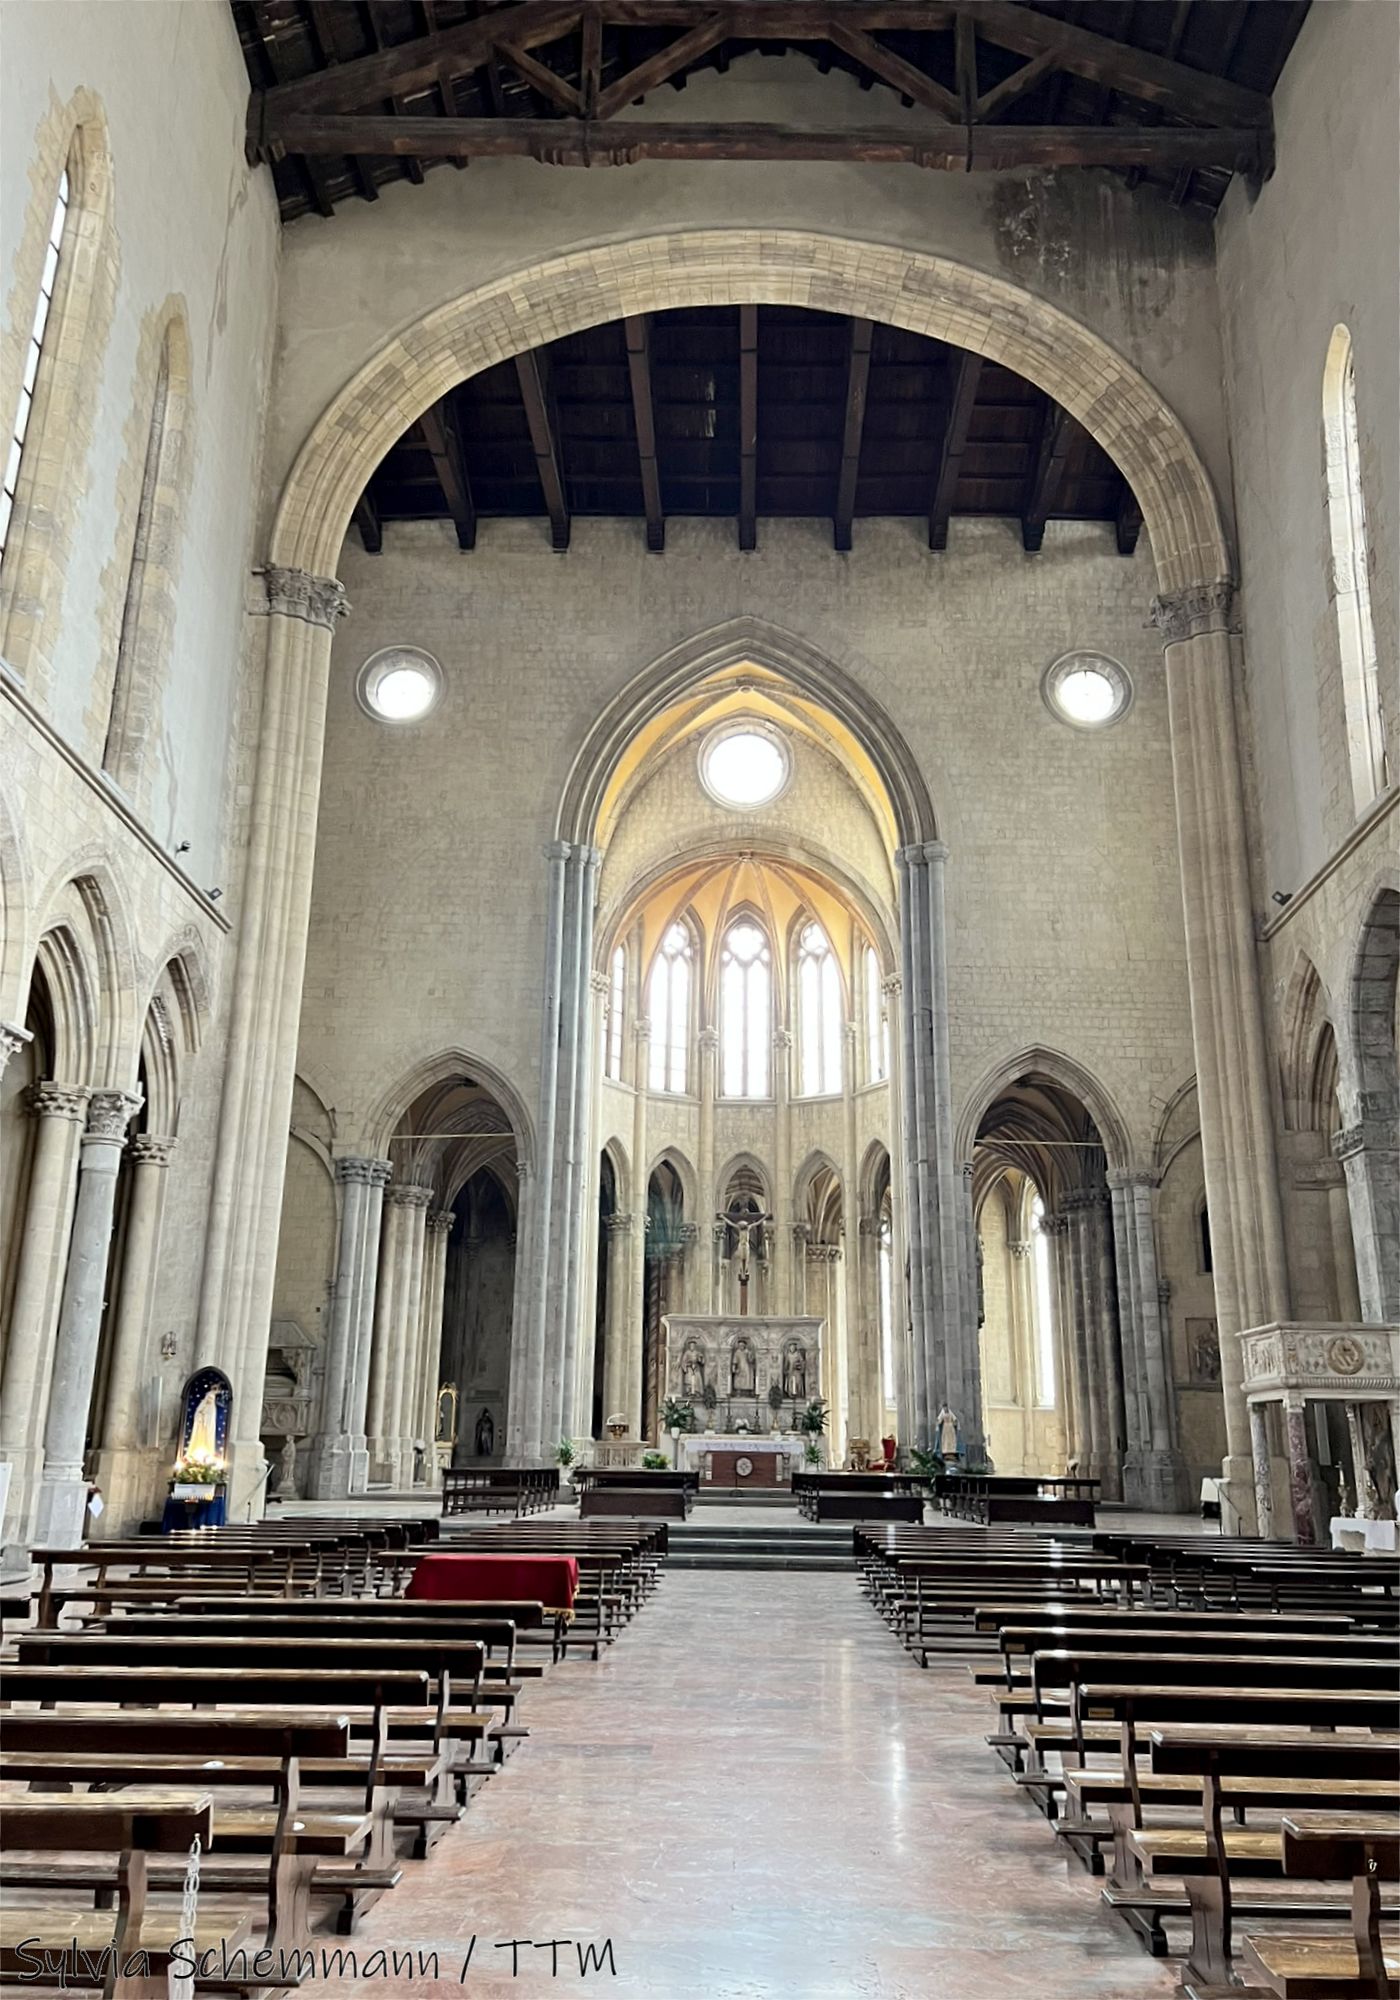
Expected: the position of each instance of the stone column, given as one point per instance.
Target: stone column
(1234, 1090)
(42, 1254)
(365, 1282)
(1022, 1330)
(870, 1398)
(1119, 1437)
(1364, 1510)
(527, 1408)
(784, 1284)
(1083, 1316)
(438, 1224)
(62, 1505)
(575, 1141)
(131, 1312)
(945, 1351)
(1263, 1467)
(905, 1428)
(387, 1307)
(708, 1045)
(1370, 1157)
(1295, 1426)
(274, 897)
(401, 1410)
(332, 1455)
(630, 1403)
(1158, 1479)
(616, 1344)
(580, 1404)
(1055, 1228)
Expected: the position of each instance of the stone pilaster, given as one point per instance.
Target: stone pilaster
(339, 1465)
(438, 1225)
(60, 1110)
(274, 898)
(1199, 632)
(63, 1488)
(630, 1403)
(527, 1412)
(618, 1228)
(399, 1412)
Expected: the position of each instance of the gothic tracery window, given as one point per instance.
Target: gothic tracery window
(745, 1010)
(668, 1009)
(818, 1014)
(1044, 1310)
(34, 354)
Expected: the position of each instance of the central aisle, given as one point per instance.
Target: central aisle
(757, 1794)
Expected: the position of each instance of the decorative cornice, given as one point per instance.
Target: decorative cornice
(1199, 609)
(295, 593)
(109, 1114)
(59, 1100)
(151, 1149)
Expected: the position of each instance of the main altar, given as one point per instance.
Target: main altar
(748, 1380)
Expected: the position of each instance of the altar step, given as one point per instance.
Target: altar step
(701, 1544)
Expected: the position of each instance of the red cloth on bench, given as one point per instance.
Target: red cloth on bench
(548, 1580)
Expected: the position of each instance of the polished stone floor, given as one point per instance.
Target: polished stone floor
(756, 1794)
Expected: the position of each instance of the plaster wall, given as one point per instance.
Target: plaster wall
(1318, 248)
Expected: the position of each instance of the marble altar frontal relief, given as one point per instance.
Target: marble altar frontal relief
(728, 1366)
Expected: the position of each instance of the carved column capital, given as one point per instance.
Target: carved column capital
(151, 1149)
(891, 985)
(708, 1039)
(59, 1100)
(109, 1114)
(408, 1194)
(373, 1173)
(440, 1220)
(600, 984)
(617, 1225)
(1020, 1249)
(1195, 611)
(641, 1029)
(1122, 1177)
(782, 1040)
(1053, 1225)
(295, 593)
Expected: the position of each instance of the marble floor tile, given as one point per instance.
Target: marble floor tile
(754, 1794)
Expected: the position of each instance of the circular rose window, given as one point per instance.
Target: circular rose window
(745, 764)
(1087, 690)
(399, 684)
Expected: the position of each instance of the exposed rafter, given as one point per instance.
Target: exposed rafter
(962, 394)
(1046, 476)
(857, 384)
(637, 332)
(532, 390)
(443, 439)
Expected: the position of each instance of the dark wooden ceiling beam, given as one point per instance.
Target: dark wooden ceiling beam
(665, 63)
(965, 59)
(542, 442)
(1047, 474)
(965, 374)
(444, 441)
(857, 389)
(576, 143)
(591, 62)
(1127, 524)
(553, 88)
(374, 13)
(1011, 89)
(892, 69)
(638, 334)
(366, 519)
(748, 427)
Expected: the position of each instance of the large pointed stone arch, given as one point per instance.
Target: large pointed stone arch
(937, 296)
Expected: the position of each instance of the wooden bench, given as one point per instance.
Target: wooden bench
(639, 1502)
(1331, 1847)
(40, 1941)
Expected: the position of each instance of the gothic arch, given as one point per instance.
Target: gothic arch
(922, 293)
(1060, 1069)
(442, 1067)
(87, 895)
(1305, 1014)
(689, 1180)
(1372, 1090)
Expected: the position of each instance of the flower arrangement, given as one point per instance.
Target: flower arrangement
(677, 1416)
(198, 1470)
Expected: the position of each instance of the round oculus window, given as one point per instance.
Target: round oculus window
(399, 684)
(1087, 690)
(745, 765)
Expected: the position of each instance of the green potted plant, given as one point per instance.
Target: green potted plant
(677, 1416)
(811, 1452)
(655, 1461)
(812, 1420)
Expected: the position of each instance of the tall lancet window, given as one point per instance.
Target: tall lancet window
(877, 1033)
(1044, 1310)
(668, 1009)
(33, 355)
(1351, 576)
(617, 1009)
(745, 1011)
(818, 1015)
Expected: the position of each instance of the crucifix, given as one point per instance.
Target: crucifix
(743, 1227)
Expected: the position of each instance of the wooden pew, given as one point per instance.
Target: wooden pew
(137, 1940)
(533, 1625)
(1334, 1966)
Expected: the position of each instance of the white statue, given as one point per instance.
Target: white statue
(203, 1440)
(947, 1433)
